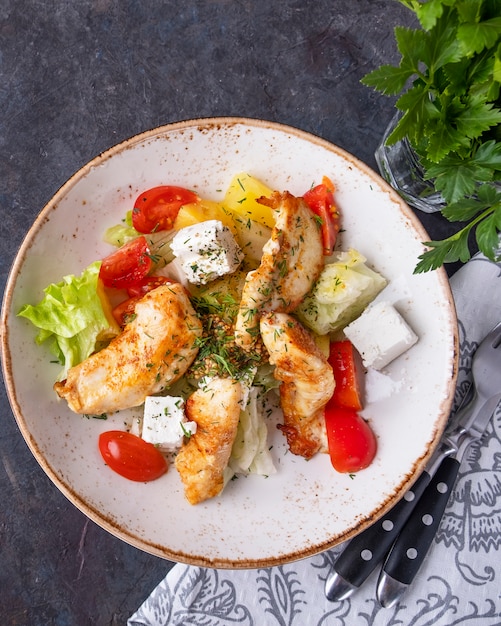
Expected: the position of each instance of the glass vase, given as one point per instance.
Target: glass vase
(399, 165)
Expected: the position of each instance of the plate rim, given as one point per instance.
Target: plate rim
(210, 124)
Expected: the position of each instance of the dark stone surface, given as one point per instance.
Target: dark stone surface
(78, 77)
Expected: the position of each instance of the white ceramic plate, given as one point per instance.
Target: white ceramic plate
(306, 507)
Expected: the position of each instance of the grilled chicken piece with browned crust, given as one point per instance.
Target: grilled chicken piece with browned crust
(292, 261)
(152, 352)
(307, 382)
(201, 462)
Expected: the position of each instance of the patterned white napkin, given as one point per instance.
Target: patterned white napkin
(459, 582)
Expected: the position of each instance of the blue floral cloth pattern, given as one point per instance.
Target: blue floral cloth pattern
(459, 582)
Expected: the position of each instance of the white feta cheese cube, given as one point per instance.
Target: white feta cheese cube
(206, 251)
(164, 422)
(380, 335)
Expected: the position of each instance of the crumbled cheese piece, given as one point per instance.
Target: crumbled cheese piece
(380, 335)
(206, 251)
(164, 423)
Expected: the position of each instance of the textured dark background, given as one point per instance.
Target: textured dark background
(78, 77)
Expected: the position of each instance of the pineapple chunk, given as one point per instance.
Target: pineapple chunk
(251, 237)
(241, 199)
(203, 211)
(323, 343)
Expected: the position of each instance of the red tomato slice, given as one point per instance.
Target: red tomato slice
(147, 284)
(352, 443)
(124, 312)
(320, 200)
(126, 266)
(157, 208)
(344, 362)
(131, 456)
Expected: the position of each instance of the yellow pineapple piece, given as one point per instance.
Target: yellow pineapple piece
(203, 211)
(323, 343)
(241, 199)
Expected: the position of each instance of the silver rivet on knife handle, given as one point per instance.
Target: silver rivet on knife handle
(413, 543)
(365, 551)
(411, 546)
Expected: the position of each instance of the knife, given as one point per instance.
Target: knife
(365, 551)
(416, 537)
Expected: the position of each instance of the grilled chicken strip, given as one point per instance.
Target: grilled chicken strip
(215, 408)
(292, 261)
(307, 382)
(152, 352)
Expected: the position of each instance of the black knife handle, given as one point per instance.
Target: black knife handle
(367, 550)
(415, 539)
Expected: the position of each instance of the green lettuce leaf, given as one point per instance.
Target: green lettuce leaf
(120, 234)
(345, 287)
(71, 317)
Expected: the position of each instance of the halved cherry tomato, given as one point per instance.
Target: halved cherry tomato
(320, 200)
(123, 313)
(126, 266)
(352, 443)
(131, 457)
(344, 362)
(157, 208)
(147, 284)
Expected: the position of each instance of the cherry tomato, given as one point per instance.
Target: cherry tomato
(320, 200)
(157, 208)
(344, 362)
(131, 456)
(124, 312)
(147, 284)
(126, 266)
(352, 443)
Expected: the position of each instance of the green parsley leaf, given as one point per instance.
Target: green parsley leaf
(468, 10)
(456, 177)
(442, 45)
(451, 249)
(429, 13)
(453, 178)
(419, 112)
(443, 138)
(411, 44)
(449, 83)
(489, 155)
(481, 35)
(496, 70)
(487, 235)
(477, 117)
(388, 79)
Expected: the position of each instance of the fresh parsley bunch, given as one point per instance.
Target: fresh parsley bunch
(449, 78)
